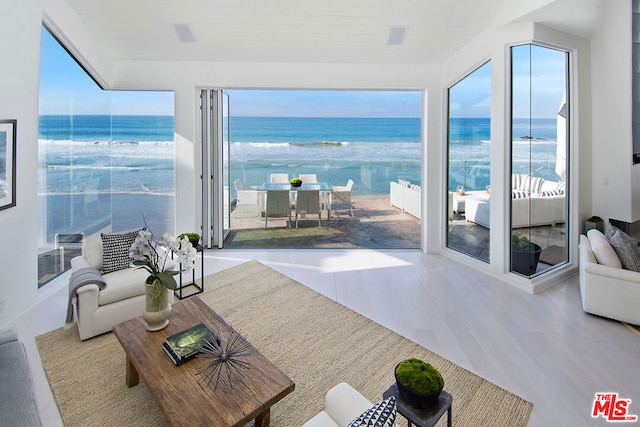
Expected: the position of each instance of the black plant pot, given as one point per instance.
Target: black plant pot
(418, 400)
(526, 262)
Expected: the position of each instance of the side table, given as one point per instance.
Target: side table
(199, 288)
(421, 417)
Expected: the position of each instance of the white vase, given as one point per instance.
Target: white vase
(156, 307)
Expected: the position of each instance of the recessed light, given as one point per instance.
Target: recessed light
(396, 35)
(184, 32)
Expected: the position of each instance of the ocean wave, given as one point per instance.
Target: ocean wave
(65, 142)
(107, 168)
(266, 144)
(108, 193)
(534, 141)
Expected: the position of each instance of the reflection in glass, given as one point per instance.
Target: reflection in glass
(98, 170)
(469, 164)
(538, 159)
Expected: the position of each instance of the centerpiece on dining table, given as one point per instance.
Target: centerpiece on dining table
(295, 182)
(158, 257)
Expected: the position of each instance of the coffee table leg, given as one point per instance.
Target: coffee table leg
(264, 419)
(131, 375)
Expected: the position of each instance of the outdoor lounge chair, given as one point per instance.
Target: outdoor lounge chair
(277, 203)
(308, 202)
(341, 195)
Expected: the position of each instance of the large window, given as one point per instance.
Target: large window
(539, 158)
(469, 164)
(371, 139)
(105, 159)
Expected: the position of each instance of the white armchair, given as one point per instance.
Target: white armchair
(97, 310)
(343, 404)
(606, 289)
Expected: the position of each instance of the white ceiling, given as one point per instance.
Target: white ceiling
(316, 31)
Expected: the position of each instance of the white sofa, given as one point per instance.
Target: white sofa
(343, 404)
(607, 289)
(97, 310)
(542, 207)
(407, 197)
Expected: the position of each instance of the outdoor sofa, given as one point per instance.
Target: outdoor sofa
(406, 196)
(534, 202)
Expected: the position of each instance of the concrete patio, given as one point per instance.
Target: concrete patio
(375, 225)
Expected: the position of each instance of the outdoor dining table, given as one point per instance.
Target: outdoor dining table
(306, 186)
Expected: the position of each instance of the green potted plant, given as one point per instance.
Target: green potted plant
(419, 383)
(525, 254)
(194, 238)
(295, 182)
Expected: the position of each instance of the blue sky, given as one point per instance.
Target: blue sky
(66, 89)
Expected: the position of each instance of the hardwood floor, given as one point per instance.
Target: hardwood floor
(541, 347)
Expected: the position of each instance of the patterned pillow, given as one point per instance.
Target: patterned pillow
(519, 194)
(548, 193)
(627, 249)
(382, 414)
(115, 250)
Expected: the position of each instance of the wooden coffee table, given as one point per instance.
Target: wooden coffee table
(183, 396)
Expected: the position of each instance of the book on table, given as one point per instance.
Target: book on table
(185, 345)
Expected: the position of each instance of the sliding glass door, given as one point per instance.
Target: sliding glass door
(539, 158)
(215, 167)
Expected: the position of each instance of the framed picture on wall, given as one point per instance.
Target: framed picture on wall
(7, 163)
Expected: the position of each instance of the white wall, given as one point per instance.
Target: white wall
(612, 177)
(19, 46)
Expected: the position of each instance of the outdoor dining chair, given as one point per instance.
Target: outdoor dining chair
(308, 202)
(279, 177)
(309, 178)
(277, 203)
(341, 195)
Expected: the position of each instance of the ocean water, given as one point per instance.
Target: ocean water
(89, 157)
(534, 150)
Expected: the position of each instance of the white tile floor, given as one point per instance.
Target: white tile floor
(542, 347)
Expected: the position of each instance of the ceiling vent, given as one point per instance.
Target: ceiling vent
(184, 32)
(396, 36)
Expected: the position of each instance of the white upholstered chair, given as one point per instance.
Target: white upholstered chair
(122, 298)
(606, 288)
(343, 404)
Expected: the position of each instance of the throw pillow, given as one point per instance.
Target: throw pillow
(602, 250)
(627, 249)
(115, 250)
(382, 414)
(519, 194)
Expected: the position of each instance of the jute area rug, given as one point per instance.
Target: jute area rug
(316, 341)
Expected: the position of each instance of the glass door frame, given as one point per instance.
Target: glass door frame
(214, 108)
